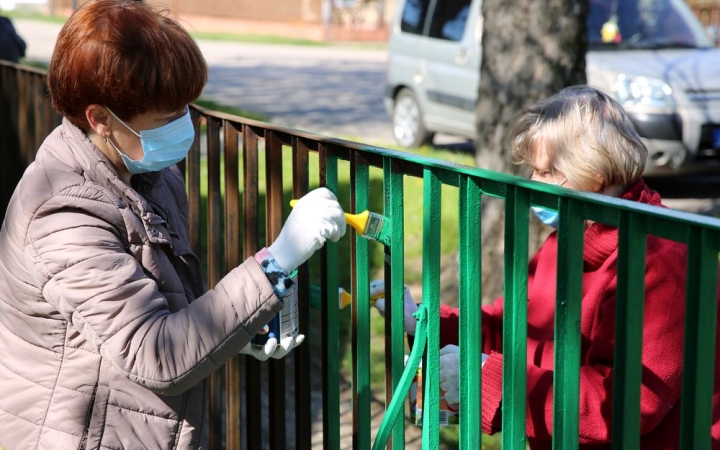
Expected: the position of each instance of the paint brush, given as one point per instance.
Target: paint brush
(368, 224)
(344, 297)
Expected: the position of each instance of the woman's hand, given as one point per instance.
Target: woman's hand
(315, 218)
(377, 291)
(272, 349)
(450, 372)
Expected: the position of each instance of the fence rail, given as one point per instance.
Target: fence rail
(238, 197)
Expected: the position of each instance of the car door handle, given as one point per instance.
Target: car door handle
(462, 55)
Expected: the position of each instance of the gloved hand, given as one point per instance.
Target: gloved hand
(450, 370)
(377, 290)
(315, 218)
(272, 349)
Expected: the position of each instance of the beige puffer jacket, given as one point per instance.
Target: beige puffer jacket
(106, 332)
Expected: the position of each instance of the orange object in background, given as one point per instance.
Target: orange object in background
(448, 412)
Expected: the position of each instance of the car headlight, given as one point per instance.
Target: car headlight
(643, 91)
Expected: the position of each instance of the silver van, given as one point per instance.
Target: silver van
(653, 55)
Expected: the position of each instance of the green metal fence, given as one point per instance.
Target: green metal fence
(239, 195)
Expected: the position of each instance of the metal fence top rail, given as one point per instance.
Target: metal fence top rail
(606, 209)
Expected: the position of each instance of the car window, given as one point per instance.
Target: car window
(644, 24)
(449, 19)
(413, 16)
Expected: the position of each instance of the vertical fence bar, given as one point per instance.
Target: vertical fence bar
(39, 99)
(700, 339)
(517, 206)
(192, 181)
(23, 114)
(391, 323)
(431, 298)
(215, 269)
(627, 369)
(469, 212)
(214, 264)
(394, 254)
(301, 354)
(360, 257)
(251, 242)
(330, 313)
(568, 302)
(274, 215)
(10, 150)
(232, 258)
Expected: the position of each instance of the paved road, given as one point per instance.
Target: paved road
(328, 90)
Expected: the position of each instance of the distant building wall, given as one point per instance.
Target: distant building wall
(307, 11)
(303, 11)
(309, 19)
(269, 10)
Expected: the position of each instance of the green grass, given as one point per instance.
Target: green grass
(253, 38)
(30, 13)
(34, 63)
(215, 106)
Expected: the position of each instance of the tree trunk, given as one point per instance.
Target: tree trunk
(531, 50)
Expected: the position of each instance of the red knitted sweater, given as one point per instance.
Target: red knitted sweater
(663, 323)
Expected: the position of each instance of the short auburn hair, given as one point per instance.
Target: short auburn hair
(126, 56)
(585, 133)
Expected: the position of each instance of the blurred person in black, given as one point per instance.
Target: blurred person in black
(12, 46)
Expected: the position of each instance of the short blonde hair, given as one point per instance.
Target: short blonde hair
(586, 133)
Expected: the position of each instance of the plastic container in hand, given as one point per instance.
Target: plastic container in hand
(448, 412)
(284, 324)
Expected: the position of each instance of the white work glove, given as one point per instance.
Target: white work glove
(377, 290)
(450, 372)
(272, 349)
(315, 218)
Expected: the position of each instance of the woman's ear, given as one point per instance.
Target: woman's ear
(598, 185)
(98, 119)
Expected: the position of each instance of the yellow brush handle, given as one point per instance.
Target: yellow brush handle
(357, 221)
(345, 298)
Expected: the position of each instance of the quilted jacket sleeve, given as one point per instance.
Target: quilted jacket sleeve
(85, 273)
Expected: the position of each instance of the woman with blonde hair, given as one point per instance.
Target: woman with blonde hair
(581, 138)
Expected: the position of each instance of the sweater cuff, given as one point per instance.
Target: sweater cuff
(492, 393)
(281, 281)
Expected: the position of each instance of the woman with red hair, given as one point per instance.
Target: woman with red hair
(107, 331)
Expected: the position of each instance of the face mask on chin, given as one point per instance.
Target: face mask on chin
(547, 216)
(162, 147)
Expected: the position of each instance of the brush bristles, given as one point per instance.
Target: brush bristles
(374, 225)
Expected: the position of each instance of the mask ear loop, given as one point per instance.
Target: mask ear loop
(552, 172)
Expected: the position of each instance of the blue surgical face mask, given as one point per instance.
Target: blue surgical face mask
(547, 216)
(162, 147)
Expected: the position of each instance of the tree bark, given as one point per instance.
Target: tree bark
(531, 50)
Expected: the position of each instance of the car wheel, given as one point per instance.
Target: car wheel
(408, 127)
